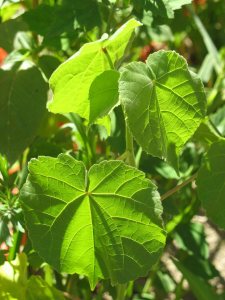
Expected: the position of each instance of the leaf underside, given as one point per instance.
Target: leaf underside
(164, 103)
(104, 223)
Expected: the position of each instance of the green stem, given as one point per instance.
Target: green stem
(108, 58)
(178, 187)
(16, 245)
(129, 148)
(121, 292)
(80, 128)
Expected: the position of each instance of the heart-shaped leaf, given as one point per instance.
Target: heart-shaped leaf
(104, 223)
(164, 103)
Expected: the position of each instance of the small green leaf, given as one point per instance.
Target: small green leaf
(72, 80)
(22, 100)
(104, 223)
(211, 183)
(164, 103)
(103, 94)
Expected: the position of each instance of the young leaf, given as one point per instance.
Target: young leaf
(23, 99)
(104, 223)
(164, 103)
(72, 80)
(211, 183)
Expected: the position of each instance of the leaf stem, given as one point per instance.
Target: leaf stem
(108, 58)
(178, 187)
(121, 291)
(130, 159)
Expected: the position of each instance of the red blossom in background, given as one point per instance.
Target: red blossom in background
(150, 48)
(3, 55)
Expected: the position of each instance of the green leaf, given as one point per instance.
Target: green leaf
(218, 119)
(206, 70)
(22, 100)
(14, 283)
(37, 288)
(13, 277)
(159, 10)
(211, 183)
(206, 134)
(199, 286)
(103, 94)
(104, 223)
(72, 80)
(191, 238)
(48, 64)
(164, 103)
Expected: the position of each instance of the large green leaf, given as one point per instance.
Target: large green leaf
(22, 100)
(211, 183)
(72, 80)
(104, 223)
(164, 103)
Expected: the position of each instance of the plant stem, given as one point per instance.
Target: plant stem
(16, 245)
(130, 148)
(108, 58)
(178, 187)
(121, 291)
(80, 128)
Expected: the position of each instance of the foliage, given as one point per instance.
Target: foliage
(112, 149)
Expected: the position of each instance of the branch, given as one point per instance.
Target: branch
(178, 187)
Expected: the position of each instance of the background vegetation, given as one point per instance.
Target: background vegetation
(36, 36)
